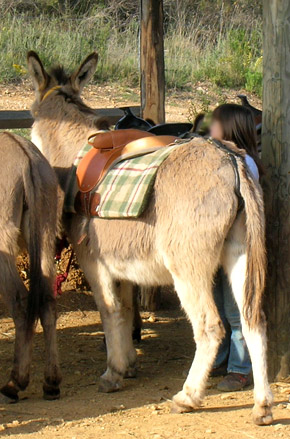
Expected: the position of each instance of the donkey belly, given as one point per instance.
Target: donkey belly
(128, 249)
(144, 272)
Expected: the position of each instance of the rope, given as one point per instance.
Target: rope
(61, 278)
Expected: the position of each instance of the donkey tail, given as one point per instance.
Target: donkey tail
(256, 249)
(36, 278)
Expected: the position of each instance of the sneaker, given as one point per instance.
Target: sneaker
(235, 381)
(219, 371)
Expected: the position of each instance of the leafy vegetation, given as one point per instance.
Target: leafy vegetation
(215, 40)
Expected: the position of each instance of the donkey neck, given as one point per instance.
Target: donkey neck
(60, 131)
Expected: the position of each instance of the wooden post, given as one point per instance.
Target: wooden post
(276, 183)
(152, 61)
(23, 119)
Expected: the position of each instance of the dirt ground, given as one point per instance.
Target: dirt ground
(180, 105)
(142, 409)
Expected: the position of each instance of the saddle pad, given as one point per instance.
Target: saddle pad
(126, 188)
(98, 161)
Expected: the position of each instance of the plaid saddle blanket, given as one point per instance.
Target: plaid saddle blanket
(126, 188)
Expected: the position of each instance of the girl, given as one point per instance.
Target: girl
(234, 123)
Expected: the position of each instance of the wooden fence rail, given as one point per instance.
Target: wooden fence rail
(23, 118)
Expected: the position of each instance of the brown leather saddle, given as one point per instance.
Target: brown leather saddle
(110, 148)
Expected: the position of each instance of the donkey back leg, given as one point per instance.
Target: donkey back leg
(15, 296)
(195, 293)
(235, 265)
(52, 375)
(48, 317)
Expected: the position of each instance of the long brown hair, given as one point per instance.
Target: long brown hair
(238, 126)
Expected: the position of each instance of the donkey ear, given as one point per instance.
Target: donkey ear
(37, 71)
(84, 73)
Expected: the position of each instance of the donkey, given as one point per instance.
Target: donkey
(28, 219)
(192, 225)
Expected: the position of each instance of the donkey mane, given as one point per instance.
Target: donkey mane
(71, 99)
(60, 75)
(62, 78)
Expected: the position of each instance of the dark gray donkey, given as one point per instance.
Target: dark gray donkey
(28, 220)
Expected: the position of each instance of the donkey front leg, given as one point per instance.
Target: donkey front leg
(130, 313)
(117, 318)
(117, 322)
(137, 319)
(197, 300)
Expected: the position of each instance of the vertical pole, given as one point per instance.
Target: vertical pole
(152, 61)
(276, 183)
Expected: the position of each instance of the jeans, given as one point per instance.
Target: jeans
(233, 349)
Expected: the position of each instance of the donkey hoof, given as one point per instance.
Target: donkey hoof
(107, 386)
(177, 408)
(8, 395)
(131, 372)
(136, 334)
(262, 415)
(182, 403)
(50, 393)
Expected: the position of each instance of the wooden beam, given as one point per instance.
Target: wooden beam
(276, 183)
(15, 119)
(152, 61)
(23, 119)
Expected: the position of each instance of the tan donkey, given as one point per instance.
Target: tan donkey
(28, 219)
(192, 225)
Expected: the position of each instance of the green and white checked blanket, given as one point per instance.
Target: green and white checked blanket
(126, 188)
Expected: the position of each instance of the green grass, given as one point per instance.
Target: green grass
(233, 61)
(194, 51)
(67, 42)
(24, 132)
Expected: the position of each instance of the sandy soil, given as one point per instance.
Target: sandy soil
(180, 105)
(142, 409)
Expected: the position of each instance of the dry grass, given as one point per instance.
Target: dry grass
(221, 44)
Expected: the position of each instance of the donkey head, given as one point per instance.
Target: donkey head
(58, 110)
(72, 85)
